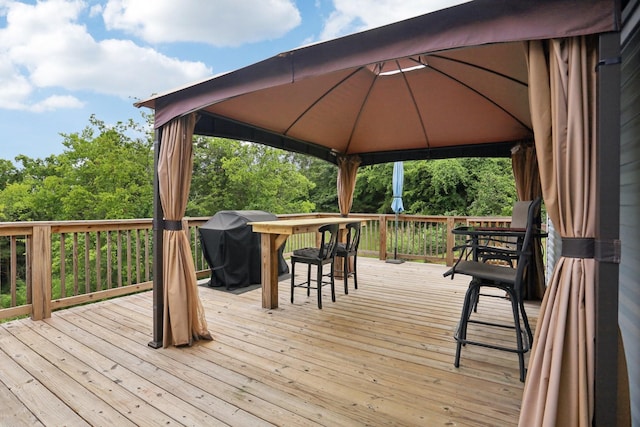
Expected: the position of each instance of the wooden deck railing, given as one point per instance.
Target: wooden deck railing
(45, 266)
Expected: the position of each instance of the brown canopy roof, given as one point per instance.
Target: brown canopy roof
(444, 84)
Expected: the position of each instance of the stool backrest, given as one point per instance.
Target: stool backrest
(353, 236)
(520, 214)
(329, 240)
(525, 251)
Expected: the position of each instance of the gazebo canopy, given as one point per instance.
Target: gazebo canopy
(471, 80)
(445, 84)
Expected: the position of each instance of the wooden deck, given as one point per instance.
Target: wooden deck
(382, 355)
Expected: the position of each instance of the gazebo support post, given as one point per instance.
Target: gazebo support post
(158, 280)
(607, 231)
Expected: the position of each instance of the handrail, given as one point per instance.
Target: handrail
(49, 265)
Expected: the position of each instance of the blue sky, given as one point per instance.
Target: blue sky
(63, 60)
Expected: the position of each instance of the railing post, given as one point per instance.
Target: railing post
(450, 240)
(41, 272)
(383, 238)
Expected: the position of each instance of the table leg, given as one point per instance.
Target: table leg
(269, 252)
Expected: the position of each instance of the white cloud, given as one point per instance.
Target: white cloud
(47, 50)
(45, 45)
(218, 23)
(351, 16)
(57, 102)
(96, 10)
(14, 87)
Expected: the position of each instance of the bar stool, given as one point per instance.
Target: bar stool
(320, 256)
(347, 250)
(506, 278)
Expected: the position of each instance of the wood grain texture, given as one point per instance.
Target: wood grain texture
(382, 355)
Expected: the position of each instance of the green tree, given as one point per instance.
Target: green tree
(466, 186)
(8, 173)
(232, 175)
(15, 203)
(437, 187)
(493, 187)
(324, 195)
(373, 186)
(105, 172)
(25, 199)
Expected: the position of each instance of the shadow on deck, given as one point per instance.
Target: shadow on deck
(382, 355)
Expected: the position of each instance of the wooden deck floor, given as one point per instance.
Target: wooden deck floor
(382, 355)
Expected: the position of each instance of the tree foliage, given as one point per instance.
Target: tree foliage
(466, 186)
(8, 173)
(324, 176)
(232, 175)
(106, 172)
(103, 173)
(373, 189)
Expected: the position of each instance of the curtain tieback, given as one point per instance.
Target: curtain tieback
(173, 225)
(589, 247)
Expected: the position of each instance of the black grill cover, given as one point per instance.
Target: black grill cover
(232, 250)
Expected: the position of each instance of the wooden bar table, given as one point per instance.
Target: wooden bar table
(273, 234)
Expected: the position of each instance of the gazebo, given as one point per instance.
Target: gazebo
(477, 79)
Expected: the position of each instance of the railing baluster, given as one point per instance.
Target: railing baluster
(194, 244)
(119, 257)
(109, 260)
(28, 264)
(87, 263)
(137, 257)
(435, 231)
(75, 263)
(129, 260)
(98, 262)
(147, 252)
(63, 265)
(14, 269)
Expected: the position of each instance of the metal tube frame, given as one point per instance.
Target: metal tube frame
(607, 229)
(158, 279)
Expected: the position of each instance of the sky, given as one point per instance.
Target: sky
(62, 61)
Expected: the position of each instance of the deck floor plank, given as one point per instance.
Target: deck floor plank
(382, 355)
(268, 364)
(71, 397)
(240, 390)
(104, 376)
(19, 392)
(167, 390)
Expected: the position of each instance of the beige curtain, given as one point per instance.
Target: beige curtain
(560, 379)
(527, 178)
(347, 172)
(184, 318)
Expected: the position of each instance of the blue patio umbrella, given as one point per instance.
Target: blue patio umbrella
(396, 204)
(397, 182)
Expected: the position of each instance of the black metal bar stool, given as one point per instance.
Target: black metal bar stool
(320, 256)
